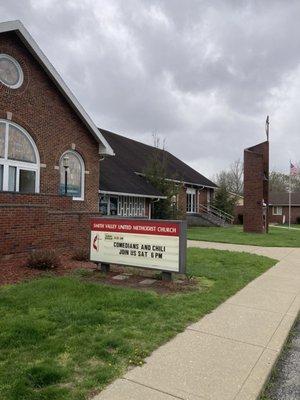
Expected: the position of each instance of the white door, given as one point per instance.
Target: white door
(191, 200)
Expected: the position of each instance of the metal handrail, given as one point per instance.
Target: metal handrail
(221, 211)
(212, 210)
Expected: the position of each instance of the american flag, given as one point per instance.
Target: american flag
(293, 169)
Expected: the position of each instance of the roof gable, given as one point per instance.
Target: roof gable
(31, 45)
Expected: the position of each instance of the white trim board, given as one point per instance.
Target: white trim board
(32, 46)
(184, 182)
(131, 194)
(283, 205)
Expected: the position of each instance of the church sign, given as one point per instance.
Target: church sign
(154, 244)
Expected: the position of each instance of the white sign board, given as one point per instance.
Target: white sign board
(151, 244)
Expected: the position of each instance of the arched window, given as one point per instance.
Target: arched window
(72, 175)
(19, 159)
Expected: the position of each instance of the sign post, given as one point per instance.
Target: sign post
(151, 244)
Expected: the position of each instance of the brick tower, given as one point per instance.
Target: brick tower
(256, 188)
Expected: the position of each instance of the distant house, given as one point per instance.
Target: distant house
(278, 208)
(124, 190)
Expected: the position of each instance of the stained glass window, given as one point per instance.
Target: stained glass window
(71, 178)
(19, 168)
(26, 181)
(11, 73)
(19, 146)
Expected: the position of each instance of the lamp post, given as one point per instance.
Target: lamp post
(173, 201)
(66, 166)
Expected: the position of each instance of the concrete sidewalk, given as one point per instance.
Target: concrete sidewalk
(228, 354)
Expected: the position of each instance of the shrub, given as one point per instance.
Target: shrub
(43, 259)
(81, 254)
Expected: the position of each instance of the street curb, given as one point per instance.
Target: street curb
(280, 352)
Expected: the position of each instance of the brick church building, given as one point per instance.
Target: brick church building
(53, 159)
(124, 190)
(43, 130)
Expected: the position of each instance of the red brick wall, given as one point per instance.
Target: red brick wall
(276, 219)
(55, 202)
(24, 228)
(256, 169)
(202, 196)
(295, 213)
(40, 109)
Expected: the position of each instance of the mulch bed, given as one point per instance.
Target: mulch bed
(15, 271)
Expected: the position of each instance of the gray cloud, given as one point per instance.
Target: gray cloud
(203, 75)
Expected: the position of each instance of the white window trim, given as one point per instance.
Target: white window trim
(20, 71)
(76, 154)
(131, 194)
(276, 210)
(19, 164)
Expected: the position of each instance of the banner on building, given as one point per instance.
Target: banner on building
(155, 244)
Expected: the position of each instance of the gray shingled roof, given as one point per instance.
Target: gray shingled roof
(119, 173)
(282, 199)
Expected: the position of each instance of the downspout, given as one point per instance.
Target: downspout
(102, 158)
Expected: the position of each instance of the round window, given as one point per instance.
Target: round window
(11, 73)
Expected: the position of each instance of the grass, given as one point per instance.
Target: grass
(277, 237)
(65, 338)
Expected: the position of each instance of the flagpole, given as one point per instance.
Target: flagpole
(290, 195)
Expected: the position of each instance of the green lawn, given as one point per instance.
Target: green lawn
(66, 338)
(277, 237)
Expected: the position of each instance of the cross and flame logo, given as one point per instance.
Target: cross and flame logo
(96, 243)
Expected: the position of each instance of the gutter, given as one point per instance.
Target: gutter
(131, 194)
(186, 183)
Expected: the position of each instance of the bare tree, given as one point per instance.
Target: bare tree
(230, 186)
(232, 178)
(279, 182)
(156, 173)
(236, 174)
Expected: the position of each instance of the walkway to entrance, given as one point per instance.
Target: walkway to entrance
(228, 354)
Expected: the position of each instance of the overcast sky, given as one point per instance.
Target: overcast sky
(201, 74)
